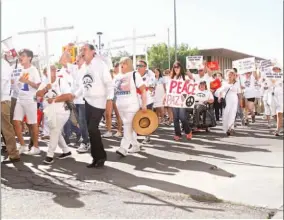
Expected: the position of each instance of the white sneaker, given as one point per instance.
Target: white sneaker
(23, 149)
(107, 134)
(122, 152)
(118, 134)
(83, 148)
(134, 149)
(34, 151)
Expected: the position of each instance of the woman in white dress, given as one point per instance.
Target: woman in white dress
(160, 92)
(231, 93)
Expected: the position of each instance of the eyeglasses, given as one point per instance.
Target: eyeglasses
(140, 66)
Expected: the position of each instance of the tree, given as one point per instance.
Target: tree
(158, 55)
(119, 55)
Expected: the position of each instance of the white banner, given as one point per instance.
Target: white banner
(273, 75)
(181, 94)
(194, 62)
(265, 66)
(245, 65)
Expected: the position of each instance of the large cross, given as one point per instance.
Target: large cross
(45, 31)
(134, 38)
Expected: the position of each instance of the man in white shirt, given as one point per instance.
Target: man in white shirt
(7, 129)
(98, 92)
(149, 80)
(26, 105)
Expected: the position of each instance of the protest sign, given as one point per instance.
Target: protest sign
(273, 75)
(73, 53)
(265, 66)
(181, 94)
(245, 65)
(194, 62)
(213, 65)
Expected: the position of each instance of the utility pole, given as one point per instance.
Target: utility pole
(175, 20)
(169, 47)
(100, 45)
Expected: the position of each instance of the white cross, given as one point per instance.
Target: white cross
(134, 38)
(45, 31)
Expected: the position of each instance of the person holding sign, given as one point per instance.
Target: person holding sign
(127, 101)
(180, 113)
(278, 97)
(231, 94)
(248, 84)
(202, 97)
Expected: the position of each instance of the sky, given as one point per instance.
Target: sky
(254, 27)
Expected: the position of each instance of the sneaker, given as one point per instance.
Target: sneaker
(177, 138)
(146, 140)
(23, 149)
(189, 136)
(134, 149)
(107, 134)
(122, 152)
(34, 151)
(48, 160)
(64, 155)
(118, 134)
(83, 148)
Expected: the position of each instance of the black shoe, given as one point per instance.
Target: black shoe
(63, 156)
(11, 160)
(48, 160)
(228, 133)
(97, 164)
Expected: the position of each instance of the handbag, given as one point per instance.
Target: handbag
(223, 100)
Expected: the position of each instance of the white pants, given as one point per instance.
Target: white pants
(45, 127)
(56, 137)
(129, 136)
(269, 110)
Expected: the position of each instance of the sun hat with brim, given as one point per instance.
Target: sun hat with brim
(145, 123)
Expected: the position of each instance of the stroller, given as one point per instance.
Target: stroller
(206, 117)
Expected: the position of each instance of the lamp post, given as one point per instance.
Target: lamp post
(100, 45)
(175, 21)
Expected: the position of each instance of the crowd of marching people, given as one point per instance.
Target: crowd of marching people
(76, 99)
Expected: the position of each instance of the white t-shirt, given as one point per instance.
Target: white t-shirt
(6, 76)
(249, 84)
(149, 80)
(77, 76)
(55, 91)
(126, 91)
(15, 86)
(26, 92)
(202, 96)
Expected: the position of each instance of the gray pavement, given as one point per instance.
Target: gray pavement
(212, 176)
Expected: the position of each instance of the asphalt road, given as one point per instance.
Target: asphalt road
(212, 176)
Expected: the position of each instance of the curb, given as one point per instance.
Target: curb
(278, 214)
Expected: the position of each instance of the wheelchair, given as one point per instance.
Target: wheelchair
(206, 118)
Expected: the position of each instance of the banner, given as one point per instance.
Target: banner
(265, 66)
(245, 65)
(73, 53)
(194, 62)
(273, 75)
(181, 94)
(214, 65)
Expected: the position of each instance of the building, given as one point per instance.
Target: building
(225, 57)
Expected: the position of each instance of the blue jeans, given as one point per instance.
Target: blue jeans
(81, 117)
(180, 115)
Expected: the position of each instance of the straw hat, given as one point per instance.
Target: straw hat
(145, 123)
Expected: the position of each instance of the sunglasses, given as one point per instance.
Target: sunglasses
(140, 66)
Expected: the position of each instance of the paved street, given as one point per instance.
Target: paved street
(212, 176)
